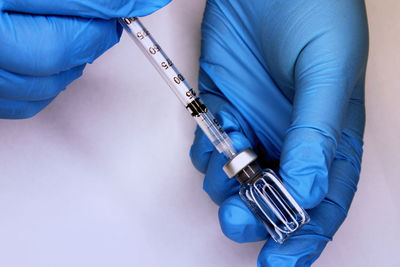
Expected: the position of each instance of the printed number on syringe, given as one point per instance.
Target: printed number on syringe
(167, 64)
(154, 49)
(179, 79)
(191, 93)
(142, 35)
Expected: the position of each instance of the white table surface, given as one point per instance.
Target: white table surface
(102, 177)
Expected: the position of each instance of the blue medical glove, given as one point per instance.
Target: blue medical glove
(45, 45)
(287, 79)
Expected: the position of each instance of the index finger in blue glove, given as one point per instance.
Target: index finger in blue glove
(206, 159)
(29, 88)
(327, 71)
(201, 149)
(238, 223)
(226, 115)
(216, 183)
(42, 46)
(13, 109)
(105, 9)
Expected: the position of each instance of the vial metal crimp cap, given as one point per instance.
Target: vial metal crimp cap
(243, 166)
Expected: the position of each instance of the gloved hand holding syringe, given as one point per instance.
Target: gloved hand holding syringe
(261, 190)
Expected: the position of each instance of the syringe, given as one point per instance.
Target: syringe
(262, 190)
(179, 86)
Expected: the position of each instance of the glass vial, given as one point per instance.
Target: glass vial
(271, 203)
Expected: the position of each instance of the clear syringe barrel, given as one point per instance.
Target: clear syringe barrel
(179, 85)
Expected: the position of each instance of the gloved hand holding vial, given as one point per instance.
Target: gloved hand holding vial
(262, 191)
(281, 103)
(287, 79)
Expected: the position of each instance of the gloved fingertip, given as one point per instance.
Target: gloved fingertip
(301, 250)
(11, 109)
(228, 122)
(200, 151)
(307, 196)
(142, 8)
(74, 74)
(238, 223)
(234, 128)
(216, 183)
(120, 29)
(162, 3)
(107, 33)
(305, 161)
(240, 141)
(199, 162)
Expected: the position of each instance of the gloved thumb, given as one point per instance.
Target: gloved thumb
(324, 84)
(105, 9)
(238, 223)
(210, 162)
